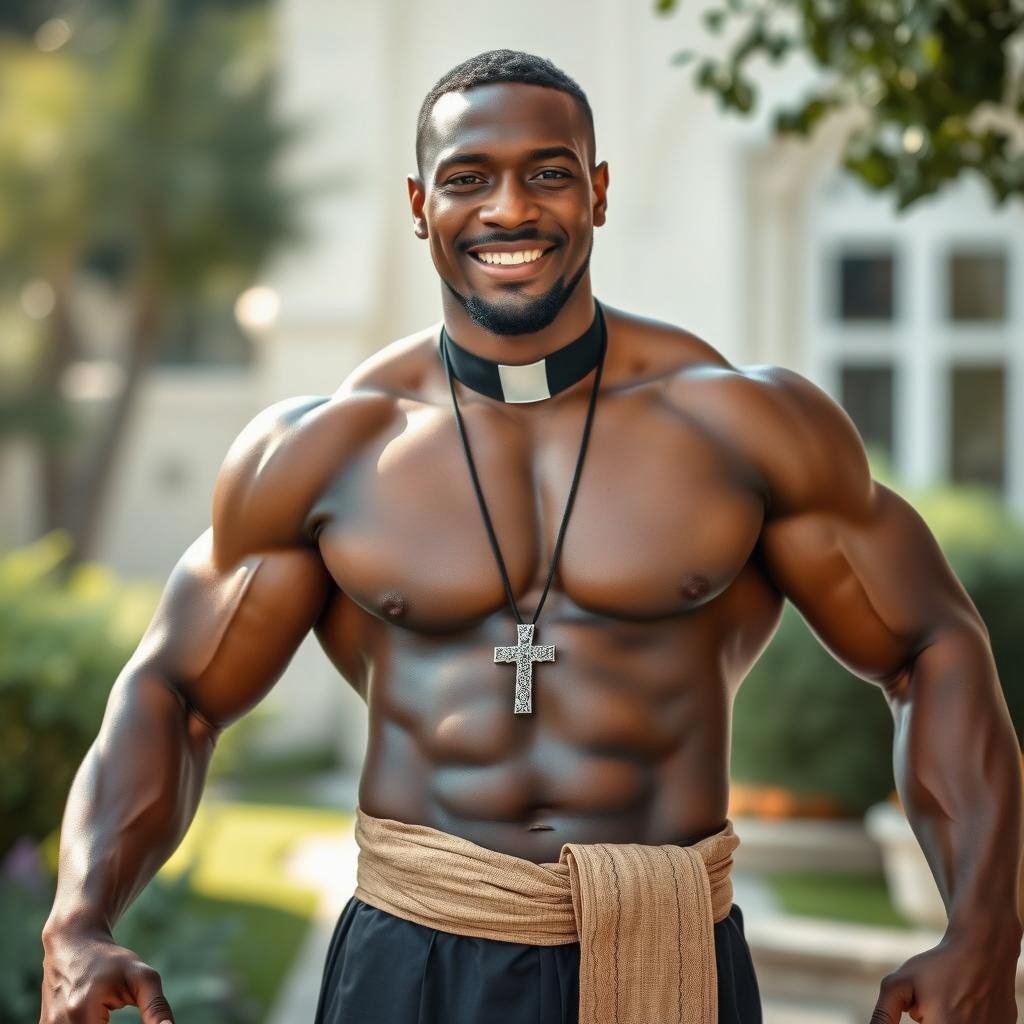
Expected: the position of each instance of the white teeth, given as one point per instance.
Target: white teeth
(510, 258)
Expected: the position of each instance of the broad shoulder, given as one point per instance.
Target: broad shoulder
(281, 461)
(799, 440)
(649, 349)
(783, 432)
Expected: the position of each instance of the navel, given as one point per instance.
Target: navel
(540, 826)
(694, 586)
(393, 604)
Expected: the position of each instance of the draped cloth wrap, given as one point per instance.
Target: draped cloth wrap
(643, 915)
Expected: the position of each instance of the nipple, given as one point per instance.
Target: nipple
(393, 604)
(695, 586)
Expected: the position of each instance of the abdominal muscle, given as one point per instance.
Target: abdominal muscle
(612, 765)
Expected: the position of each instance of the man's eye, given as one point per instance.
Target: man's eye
(467, 179)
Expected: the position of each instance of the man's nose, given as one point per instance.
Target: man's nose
(509, 204)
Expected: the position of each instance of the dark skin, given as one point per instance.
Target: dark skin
(710, 494)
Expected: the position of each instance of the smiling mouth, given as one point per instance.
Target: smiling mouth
(512, 264)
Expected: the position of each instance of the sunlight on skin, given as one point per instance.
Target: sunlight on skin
(410, 438)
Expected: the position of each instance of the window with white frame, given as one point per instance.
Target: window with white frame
(975, 303)
(865, 305)
(915, 324)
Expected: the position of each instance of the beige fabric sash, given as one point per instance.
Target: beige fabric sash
(643, 915)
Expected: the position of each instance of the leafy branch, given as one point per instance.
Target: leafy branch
(939, 83)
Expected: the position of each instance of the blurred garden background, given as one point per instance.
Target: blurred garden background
(203, 210)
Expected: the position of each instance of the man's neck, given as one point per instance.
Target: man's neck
(515, 349)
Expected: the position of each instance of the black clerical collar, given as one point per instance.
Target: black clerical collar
(527, 382)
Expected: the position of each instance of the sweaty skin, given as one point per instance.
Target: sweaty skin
(710, 494)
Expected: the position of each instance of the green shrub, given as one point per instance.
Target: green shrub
(24, 906)
(62, 645)
(803, 722)
(189, 951)
(63, 642)
(986, 550)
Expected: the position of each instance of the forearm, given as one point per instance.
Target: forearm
(958, 772)
(131, 801)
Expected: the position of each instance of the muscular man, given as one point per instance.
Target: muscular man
(542, 826)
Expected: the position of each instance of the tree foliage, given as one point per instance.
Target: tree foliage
(140, 144)
(935, 81)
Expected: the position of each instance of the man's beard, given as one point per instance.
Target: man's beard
(522, 317)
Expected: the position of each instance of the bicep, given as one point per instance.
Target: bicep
(855, 558)
(222, 634)
(243, 595)
(870, 580)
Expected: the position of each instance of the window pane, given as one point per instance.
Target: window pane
(977, 285)
(977, 441)
(866, 393)
(866, 286)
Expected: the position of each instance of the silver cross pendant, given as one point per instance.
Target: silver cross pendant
(524, 654)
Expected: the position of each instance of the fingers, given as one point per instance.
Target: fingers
(85, 977)
(895, 998)
(148, 993)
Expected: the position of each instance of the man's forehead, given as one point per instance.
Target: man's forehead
(506, 114)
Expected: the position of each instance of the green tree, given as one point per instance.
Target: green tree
(934, 81)
(145, 148)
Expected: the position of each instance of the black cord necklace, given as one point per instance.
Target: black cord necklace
(524, 653)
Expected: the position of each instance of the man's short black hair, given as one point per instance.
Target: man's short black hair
(500, 66)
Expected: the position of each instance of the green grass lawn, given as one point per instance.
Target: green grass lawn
(844, 896)
(238, 849)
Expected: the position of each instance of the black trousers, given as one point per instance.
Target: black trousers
(382, 969)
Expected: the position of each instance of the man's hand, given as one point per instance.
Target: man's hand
(86, 975)
(962, 980)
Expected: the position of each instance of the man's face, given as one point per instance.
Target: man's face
(507, 167)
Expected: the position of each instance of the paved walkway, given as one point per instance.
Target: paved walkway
(329, 863)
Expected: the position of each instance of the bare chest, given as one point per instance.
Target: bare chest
(662, 520)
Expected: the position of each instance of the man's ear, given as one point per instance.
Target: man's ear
(417, 194)
(599, 181)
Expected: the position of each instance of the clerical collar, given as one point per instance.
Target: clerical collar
(527, 382)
